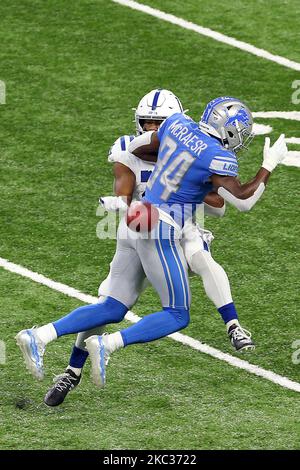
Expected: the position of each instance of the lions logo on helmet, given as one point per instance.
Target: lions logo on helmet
(156, 105)
(230, 121)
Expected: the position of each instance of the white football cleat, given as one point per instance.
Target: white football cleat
(33, 350)
(99, 358)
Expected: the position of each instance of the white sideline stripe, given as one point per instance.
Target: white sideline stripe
(291, 115)
(292, 159)
(293, 140)
(261, 129)
(130, 316)
(244, 46)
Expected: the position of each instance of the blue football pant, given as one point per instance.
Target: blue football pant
(161, 259)
(163, 262)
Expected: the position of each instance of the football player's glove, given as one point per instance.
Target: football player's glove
(113, 203)
(275, 154)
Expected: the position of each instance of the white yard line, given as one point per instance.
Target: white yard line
(244, 46)
(293, 140)
(179, 337)
(290, 115)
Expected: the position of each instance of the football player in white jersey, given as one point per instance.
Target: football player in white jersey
(130, 179)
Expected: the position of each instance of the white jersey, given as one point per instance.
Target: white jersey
(142, 170)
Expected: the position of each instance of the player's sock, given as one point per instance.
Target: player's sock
(77, 371)
(77, 360)
(46, 333)
(91, 316)
(156, 325)
(232, 322)
(229, 314)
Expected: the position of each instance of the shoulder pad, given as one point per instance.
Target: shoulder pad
(119, 148)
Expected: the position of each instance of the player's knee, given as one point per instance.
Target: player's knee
(181, 316)
(117, 309)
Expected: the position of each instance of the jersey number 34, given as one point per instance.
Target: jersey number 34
(170, 171)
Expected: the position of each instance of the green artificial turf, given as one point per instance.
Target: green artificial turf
(73, 71)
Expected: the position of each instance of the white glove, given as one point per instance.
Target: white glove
(113, 203)
(275, 154)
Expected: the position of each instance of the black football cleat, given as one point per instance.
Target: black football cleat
(240, 338)
(63, 384)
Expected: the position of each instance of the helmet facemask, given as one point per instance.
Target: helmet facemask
(140, 122)
(238, 137)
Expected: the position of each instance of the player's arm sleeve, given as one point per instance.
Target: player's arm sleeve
(243, 205)
(242, 196)
(214, 205)
(214, 211)
(224, 169)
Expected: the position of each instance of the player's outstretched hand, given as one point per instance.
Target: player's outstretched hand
(113, 203)
(275, 154)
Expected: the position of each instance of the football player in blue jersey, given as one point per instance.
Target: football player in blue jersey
(130, 178)
(192, 161)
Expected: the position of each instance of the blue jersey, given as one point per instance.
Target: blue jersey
(186, 160)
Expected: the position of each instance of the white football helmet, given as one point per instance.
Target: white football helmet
(156, 105)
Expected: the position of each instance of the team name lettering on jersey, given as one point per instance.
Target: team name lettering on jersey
(224, 165)
(230, 167)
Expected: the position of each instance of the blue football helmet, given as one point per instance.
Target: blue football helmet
(229, 120)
